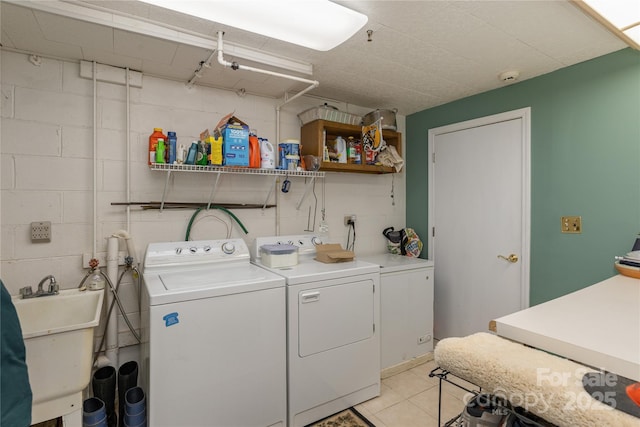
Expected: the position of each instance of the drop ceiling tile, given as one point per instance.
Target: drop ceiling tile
(6, 40)
(25, 33)
(399, 15)
(160, 69)
(61, 29)
(145, 47)
(544, 19)
(136, 8)
(446, 25)
(190, 56)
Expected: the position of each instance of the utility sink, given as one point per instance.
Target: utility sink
(58, 336)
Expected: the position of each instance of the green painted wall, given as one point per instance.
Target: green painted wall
(585, 157)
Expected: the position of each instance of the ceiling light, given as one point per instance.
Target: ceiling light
(94, 13)
(316, 24)
(622, 17)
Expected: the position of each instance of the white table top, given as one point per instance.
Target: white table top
(597, 326)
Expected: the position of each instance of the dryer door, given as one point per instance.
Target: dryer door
(335, 316)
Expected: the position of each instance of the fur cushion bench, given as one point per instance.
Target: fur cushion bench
(543, 384)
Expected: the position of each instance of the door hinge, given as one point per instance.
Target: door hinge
(433, 157)
(374, 328)
(374, 288)
(433, 232)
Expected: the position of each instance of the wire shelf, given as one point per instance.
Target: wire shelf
(220, 170)
(234, 170)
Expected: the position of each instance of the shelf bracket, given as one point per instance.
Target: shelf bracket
(306, 192)
(213, 190)
(166, 188)
(273, 186)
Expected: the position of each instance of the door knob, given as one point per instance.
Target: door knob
(513, 258)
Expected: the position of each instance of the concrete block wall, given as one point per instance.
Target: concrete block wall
(47, 172)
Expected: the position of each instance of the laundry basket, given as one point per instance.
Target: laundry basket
(329, 113)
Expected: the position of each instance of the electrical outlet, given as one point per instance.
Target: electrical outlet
(571, 224)
(41, 232)
(424, 339)
(348, 218)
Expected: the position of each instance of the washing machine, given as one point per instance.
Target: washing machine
(333, 342)
(214, 341)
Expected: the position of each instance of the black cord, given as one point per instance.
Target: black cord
(353, 245)
(352, 226)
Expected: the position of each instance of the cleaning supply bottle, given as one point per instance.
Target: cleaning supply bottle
(153, 143)
(201, 156)
(160, 151)
(191, 155)
(267, 154)
(171, 147)
(217, 155)
(254, 150)
(351, 150)
(358, 149)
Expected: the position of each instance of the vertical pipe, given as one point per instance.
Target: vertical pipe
(128, 130)
(277, 194)
(112, 328)
(95, 158)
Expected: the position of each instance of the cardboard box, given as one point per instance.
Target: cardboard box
(333, 252)
(235, 140)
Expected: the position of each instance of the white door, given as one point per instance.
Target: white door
(479, 196)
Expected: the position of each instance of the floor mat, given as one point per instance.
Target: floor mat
(347, 418)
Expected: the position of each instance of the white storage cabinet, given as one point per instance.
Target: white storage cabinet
(406, 307)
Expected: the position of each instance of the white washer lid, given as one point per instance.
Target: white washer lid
(176, 285)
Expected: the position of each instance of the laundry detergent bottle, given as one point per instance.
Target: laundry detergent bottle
(267, 154)
(254, 150)
(153, 143)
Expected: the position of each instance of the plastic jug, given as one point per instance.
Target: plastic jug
(341, 149)
(289, 154)
(267, 154)
(255, 159)
(153, 143)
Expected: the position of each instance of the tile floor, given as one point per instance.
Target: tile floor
(410, 399)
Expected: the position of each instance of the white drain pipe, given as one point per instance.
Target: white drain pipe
(112, 326)
(312, 85)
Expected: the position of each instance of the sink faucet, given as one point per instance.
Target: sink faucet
(27, 292)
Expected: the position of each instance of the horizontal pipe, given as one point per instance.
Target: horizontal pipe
(186, 204)
(236, 66)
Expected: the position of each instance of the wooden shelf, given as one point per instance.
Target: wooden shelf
(314, 134)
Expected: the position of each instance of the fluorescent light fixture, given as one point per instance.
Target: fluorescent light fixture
(622, 17)
(316, 24)
(268, 58)
(118, 20)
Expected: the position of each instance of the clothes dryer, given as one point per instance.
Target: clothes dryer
(333, 343)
